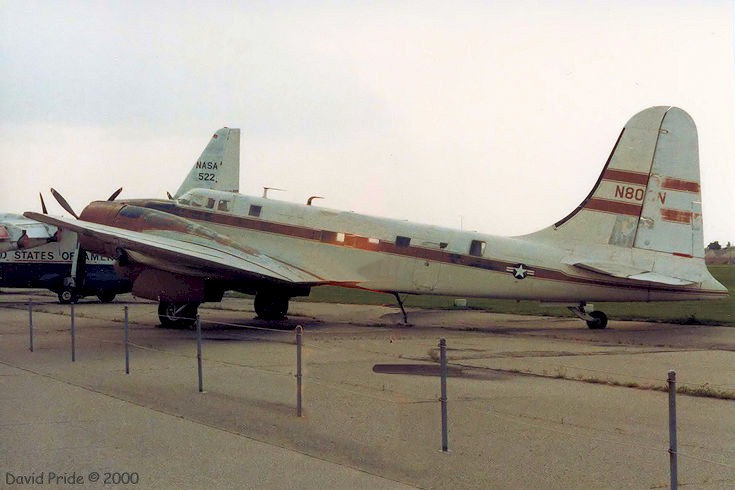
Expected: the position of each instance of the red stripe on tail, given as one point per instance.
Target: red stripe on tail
(676, 216)
(673, 184)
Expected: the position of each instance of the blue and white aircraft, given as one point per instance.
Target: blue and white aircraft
(34, 255)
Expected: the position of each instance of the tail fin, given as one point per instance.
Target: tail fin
(218, 167)
(648, 195)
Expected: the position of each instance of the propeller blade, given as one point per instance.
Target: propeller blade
(43, 204)
(115, 194)
(60, 199)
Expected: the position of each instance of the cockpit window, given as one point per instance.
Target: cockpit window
(131, 212)
(223, 205)
(197, 201)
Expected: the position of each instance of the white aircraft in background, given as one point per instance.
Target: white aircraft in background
(18, 232)
(637, 236)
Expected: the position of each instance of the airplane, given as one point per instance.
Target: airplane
(38, 255)
(637, 236)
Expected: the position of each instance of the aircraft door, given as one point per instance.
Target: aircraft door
(426, 274)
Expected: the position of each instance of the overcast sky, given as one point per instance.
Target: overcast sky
(496, 116)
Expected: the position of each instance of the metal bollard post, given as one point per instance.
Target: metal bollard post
(127, 345)
(73, 349)
(199, 353)
(299, 343)
(30, 323)
(443, 358)
(672, 430)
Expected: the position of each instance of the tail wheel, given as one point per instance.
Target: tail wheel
(177, 315)
(599, 322)
(271, 306)
(67, 296)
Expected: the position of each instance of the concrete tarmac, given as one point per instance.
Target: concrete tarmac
(533, 401)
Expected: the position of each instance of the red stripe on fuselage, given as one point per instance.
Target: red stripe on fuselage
(329, 237)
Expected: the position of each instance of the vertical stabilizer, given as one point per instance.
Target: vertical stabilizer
(218, 167)
(648, 194)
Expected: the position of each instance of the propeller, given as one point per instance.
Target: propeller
(115, 194)
(55, 237)
(62, 202)
(75, 281)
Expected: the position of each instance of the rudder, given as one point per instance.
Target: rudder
(648, 194)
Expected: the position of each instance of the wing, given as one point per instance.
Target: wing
(176, 252)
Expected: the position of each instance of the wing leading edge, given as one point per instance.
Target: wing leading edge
(179, 255)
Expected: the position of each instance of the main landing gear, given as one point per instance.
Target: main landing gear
(177, 315)
(270, 305)
(596, 320)
(106, 296)
(403, 310)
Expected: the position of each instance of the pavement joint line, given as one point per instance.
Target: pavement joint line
(512, 417)
(611, 383)
(204, 424)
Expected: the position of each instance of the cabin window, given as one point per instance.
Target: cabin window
(255, 210)
(443, 245)
(403, 241)
(328, 236)
(477, 248)
(340, 237)
(223, 205)
(374, 241)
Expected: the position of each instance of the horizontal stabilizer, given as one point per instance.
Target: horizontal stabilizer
(661, 279)
(630, 272)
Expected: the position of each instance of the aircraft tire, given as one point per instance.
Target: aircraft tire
(106, 296)
(599, 322)
(177, 315)
(67, 296)
(271, 306)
